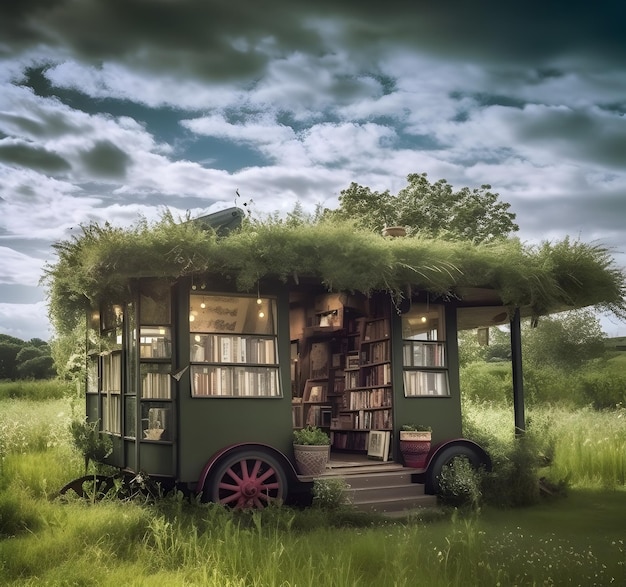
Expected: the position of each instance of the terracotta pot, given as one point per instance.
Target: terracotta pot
(415, 446)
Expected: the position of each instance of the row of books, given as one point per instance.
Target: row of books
(349, 440)
(155, 347)
(235, 381)
(219, 348)
(155, 386)
(375, 352)
(317, 416)
(375, 398)
(365, 419)
(377, 375)
(112, 372)
(112, 414)
(425, 383)
(423, 354)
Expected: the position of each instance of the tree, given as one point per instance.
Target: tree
(34, 362)
(564, 341)
(8, 353)
(26, 360)
(434, 209)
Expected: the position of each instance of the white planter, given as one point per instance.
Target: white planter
(311, 460)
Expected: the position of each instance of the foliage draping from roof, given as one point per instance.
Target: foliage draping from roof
(99, 263)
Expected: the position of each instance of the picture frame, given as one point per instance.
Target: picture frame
(378, 445)
(315, 391)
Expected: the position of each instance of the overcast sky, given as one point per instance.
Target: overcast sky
(112, 109)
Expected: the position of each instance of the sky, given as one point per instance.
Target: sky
(114, 110)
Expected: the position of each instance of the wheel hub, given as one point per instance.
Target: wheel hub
(250, 489)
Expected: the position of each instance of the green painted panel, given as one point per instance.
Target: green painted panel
(156, 458)
(442, 414)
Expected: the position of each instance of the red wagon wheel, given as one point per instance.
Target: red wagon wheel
(247, 479)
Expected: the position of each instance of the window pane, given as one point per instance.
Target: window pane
(156, 421)
(420, 383)
(154, 302)
(155, 342)
(111, 413)
(214, 348)
(130, 412)
(231, 314)
(234, 381)
(423, 322)
(424, 354)
(155, 381)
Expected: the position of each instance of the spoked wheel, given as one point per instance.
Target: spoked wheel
(89, 486)
(247, 479)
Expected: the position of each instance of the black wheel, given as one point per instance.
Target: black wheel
(89, 486)
(246, 479)
(445, 457)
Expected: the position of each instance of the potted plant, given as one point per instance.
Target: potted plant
(415, 444)
(311, 447)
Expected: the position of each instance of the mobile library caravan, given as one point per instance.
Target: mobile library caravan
(210, 341)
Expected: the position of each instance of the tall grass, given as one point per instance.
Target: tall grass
(38, 390)
(46, 541)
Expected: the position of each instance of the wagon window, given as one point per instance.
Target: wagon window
(424, 352)
(233, 347)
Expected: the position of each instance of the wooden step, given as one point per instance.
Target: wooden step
(382, 488)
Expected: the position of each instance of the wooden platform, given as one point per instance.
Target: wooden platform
(375, 486)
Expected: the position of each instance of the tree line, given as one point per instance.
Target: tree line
(21, 359)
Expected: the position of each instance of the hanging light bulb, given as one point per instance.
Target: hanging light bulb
(203, 305)
(261, 314)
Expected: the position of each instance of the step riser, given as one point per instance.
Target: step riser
(382, 493)
(375, 480)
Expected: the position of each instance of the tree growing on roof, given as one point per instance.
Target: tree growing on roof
(432, 209)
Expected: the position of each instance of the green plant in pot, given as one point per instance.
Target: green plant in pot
(311, 447)
(415, 441)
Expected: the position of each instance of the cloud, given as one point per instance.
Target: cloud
(18, 268)
(31, 156)
(25, 321)
(111, 110)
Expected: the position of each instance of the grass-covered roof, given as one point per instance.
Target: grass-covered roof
(99, 263)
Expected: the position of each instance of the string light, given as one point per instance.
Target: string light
(259, 301)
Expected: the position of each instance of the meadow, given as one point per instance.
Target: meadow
(576, 539)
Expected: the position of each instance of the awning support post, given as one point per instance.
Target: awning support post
(518, 380)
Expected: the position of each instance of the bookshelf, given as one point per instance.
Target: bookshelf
(367, 396)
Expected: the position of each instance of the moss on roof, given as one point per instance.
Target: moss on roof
(99, 264)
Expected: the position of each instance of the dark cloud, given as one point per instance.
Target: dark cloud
(237, 38)
(578, 134)
(33, 157)
(105, 160)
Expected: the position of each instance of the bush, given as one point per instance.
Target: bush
(460, 484)
(603, 389)
(487, 382)
(514, 479)
(330, 494)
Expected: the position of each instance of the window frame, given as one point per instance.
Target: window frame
(228, 358)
